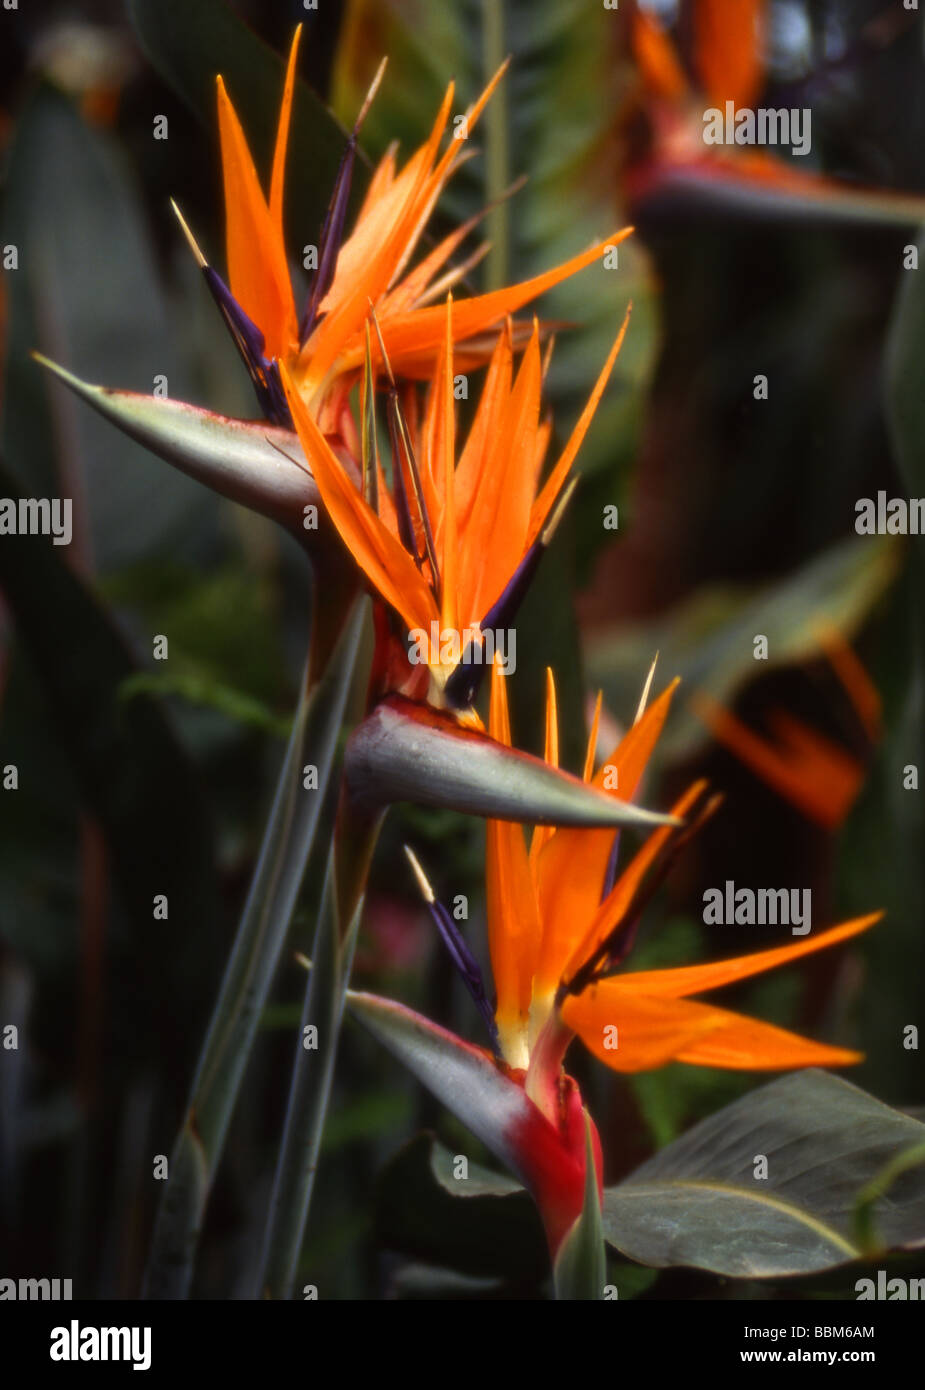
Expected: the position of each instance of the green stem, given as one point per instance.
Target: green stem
(497, 163)
(249, 975)
(313, 1071)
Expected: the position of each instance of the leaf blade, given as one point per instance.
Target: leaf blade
(698, 1203)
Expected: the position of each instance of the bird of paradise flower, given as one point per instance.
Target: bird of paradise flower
(562, 921)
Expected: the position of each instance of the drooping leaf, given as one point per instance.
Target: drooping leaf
(701, 1201)
(409, 752)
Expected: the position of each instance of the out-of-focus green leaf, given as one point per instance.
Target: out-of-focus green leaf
(889, 814)
(222, 626)
(698, 1202)
(273, 894)
(408, 752)
(190, 45)
(905, 399)
(471, 1179)
(133, 775)
(200, 690)
(878, 1188)
(579, 1271)
(86, 291)
(709, 640)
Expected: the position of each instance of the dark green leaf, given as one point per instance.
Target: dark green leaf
(135, 777)
(699, 1203)
(189, 44)
(485, 1226)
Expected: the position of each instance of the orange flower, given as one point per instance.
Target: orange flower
(452, 549)
(817, 776)
(727, 39)
(323, 350)
(561, 922)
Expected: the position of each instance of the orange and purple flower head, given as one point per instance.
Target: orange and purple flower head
(321, 344)
(563, 916)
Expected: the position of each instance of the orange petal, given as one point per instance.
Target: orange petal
(542, 833)
(620, 897)
(445, 477)
(385, 562)
(257, 268)
(282, 138)
(381, 180)
(817, 777)
(651, 1031)
(513, 920)
(697, 979)
(570, 871)
(727, 49)
(495, 393)
(421, 330)
(632, 1032)
(557, 477)
(656, 58)
(496, 528)
(591, 754)
(854, 679)
(369, 259)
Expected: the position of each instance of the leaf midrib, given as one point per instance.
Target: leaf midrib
(778, 1203)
